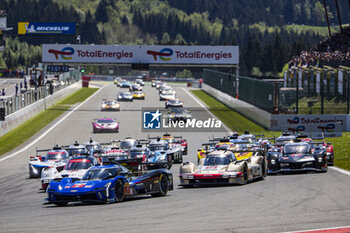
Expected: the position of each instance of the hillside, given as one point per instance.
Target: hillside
(262, 28)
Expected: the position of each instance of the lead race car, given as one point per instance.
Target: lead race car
(108, 184)
(238, 165)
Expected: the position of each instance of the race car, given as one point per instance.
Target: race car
(117, 80)
(176, 140)
(155, 82)
(124, 84)
(110, 105)
(56, 158)
(92, 147)
(179, 114)
(224, 168)
(166, 90)
(174, 103)
(205, 150)
(138, 95)
(160, 84)
(108, 184)
(166, 96)
(139, 151)
(125, 96)
(135, 87)
(105, 124)
(298, 156)
(112, 153)
(140, 81)
(174, 151)
(75, 168)
(76, 149)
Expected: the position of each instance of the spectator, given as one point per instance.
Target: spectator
(16, 89)
(21, 85)
(3, 92)
(25, 84)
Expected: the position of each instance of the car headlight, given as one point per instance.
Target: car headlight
(119, 96)
(273, 161)
(320, 159)
(104, 105)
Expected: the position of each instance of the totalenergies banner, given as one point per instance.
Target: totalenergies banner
(148, 54)
(331, 125)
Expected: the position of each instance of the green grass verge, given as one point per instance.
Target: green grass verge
(26, 130)
(232, 119)
(239, 123)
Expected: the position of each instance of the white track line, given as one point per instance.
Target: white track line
(51, 128)
(206, 109)
(345, 172)
(321, 229)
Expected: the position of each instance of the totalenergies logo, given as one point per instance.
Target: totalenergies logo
(66, 53)
(294, 121)
(298, 129)
(328, 128)
(163, 54)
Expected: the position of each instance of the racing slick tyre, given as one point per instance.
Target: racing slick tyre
(163, 186)
(245, 175)
(61, 203)
(119, 191)
(263, 170)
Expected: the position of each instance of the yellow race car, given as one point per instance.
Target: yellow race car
(138, 95)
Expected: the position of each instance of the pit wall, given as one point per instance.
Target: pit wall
(19, 117)
(253, 113)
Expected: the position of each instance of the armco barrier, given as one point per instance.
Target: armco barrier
(19, 117)
(253, 113)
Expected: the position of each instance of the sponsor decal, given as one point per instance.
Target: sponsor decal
(298, 129)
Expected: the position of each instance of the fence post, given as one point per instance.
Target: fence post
(296, 77)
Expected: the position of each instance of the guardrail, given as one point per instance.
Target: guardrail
(12, 104)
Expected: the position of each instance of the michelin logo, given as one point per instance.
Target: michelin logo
(152, 120)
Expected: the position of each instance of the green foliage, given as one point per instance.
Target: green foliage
(184, 74)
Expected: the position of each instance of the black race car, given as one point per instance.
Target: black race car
(297, 156)
(179, 114)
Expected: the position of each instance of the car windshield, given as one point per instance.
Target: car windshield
(127, 144)
(99, 174)
(174, 101)
(59, 155)
(137, 92)
(285, 139)
(76, 151)
(156, 147)
(216, 160)
(93, 147)
(105, 121)
(135, 153)
(110, 102)
(78, 165)
(169, 139)
(296, 149)
(125, 94)
(179, 110)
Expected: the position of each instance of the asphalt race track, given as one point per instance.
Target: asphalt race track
(277, 204)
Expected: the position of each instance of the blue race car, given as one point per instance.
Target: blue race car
(109, 184)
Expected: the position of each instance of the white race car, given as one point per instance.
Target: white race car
(75, 168)
(55, 158)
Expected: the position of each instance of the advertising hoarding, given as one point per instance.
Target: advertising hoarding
(148, 54)
(30, 28)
